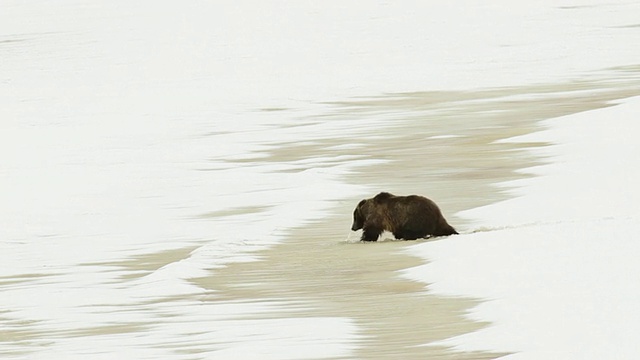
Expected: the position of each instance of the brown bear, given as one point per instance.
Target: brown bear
(406, 217)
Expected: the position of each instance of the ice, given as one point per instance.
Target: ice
(124, 124)
(557, 263)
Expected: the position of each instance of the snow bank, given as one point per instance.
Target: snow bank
(557, 264)
(122, 124)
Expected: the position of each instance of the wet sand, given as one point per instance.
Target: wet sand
(441, 145)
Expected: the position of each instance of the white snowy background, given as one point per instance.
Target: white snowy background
(120, 122)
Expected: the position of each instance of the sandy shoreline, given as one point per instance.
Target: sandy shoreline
(328, 277)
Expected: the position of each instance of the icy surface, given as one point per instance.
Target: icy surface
(558, 263)
(133, 129)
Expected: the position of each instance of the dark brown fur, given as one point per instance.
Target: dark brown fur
(406, 217)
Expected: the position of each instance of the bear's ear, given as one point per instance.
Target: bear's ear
(382, 197)
(361, 203)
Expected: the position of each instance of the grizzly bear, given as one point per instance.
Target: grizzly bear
(406, 217)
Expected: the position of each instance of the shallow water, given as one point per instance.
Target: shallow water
(91, 291)
(442, 145)
(145, 146)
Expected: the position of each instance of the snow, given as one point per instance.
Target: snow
(557, 263)
(124, 124)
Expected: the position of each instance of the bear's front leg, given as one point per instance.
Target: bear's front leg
(370, 233)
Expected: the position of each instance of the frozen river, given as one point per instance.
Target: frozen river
(177, 180)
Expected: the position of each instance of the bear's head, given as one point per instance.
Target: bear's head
(368, 208)
(359, 215)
